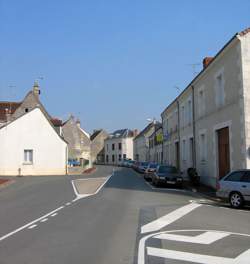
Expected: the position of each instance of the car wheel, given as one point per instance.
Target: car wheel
(236, 200)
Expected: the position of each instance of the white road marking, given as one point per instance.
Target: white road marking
(80, 196)
(44, 220)
(206, 238)
(29, 224)
(53, 214)
(31, 227)
(68, 204)
(142, 243)
(198, 258)
(169, 218)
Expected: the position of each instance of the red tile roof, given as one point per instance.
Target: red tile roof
(7, 108)
(56, 121)
(244, 32)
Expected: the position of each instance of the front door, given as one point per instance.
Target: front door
(223, 151)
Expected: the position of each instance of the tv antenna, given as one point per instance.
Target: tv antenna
(194, 67)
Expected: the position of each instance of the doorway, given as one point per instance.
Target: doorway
(223, 152)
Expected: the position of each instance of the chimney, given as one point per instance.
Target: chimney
(8, 114)
(36, 89)
(206, 61)
(78, 122)
(135, 132)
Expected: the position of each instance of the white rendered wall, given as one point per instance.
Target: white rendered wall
(32, 131)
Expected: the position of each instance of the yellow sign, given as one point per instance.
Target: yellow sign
(159, 138)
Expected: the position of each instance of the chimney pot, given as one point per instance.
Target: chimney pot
(206, 61)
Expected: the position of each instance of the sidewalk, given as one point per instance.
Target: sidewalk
(202, 190)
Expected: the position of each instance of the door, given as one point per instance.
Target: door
(223, 151)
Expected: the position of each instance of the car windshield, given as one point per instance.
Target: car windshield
(167, 169)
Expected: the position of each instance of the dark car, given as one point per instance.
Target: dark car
(142, 167)
(149, 171)
(136, 165)
(168, 175)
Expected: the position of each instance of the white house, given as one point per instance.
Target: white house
(208, 125)
(141, 142)
(30, 145)
(118, 146)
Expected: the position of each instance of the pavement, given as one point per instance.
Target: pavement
(125, 220)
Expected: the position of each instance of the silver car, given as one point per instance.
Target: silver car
(235, 187)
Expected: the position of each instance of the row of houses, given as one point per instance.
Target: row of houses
(34, 143)
(208, 125)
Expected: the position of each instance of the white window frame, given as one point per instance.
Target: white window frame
(219, 88)
(28, 156)
(203, 146)
(201, 101)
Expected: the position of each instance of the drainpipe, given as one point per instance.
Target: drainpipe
(194, 131)
(179, 137)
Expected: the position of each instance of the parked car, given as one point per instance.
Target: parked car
(142, 167)
(235, 188)
(136, 165)
(149, 171)
(168, 175)
(130, 163)
(74, 163)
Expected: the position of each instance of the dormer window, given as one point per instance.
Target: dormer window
(26, 110)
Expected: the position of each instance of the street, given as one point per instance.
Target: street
(116, 218)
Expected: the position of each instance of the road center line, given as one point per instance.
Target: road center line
(29, 224)
(44, 220)
(53, 214)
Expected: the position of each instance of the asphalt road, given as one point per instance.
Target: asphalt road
(127, 221)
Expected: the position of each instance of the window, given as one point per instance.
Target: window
(246, 177)
(107, 158)
(183, 116)
(125, 156)
(189, 112)
(113, 146)
(120, 146)
(202, 147)
(184, 150)
(28, 156)
(235, 176)
(219, 90)
(201, 103)
(120, 157)
(107, 147)
(113, 158)
(26, 110)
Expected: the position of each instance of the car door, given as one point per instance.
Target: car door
(232, 182)
(245, 185)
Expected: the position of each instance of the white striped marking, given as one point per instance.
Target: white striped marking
(206, 238)
(44, 220)
(53, 214)
(169, 218)
(198, 258)
(31, 227)
(29, 224)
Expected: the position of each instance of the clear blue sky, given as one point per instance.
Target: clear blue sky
(112, 63)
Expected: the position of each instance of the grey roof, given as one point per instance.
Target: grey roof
(148, 127)
(122, 133)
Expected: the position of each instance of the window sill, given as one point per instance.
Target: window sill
(27, 163)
